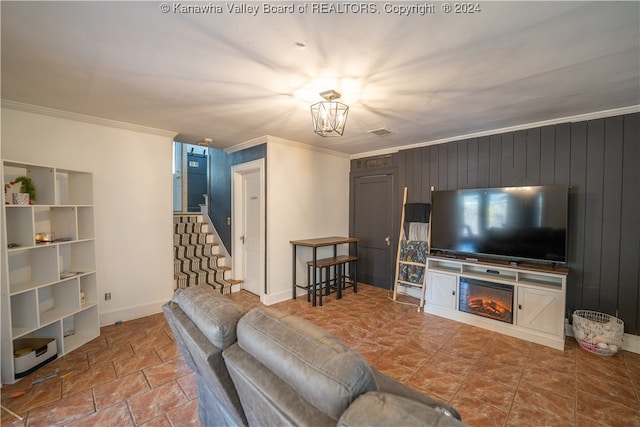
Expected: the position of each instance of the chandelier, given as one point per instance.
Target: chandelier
(330, 116)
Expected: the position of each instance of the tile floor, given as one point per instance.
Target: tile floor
(133, 374)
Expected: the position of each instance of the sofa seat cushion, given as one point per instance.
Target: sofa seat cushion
(215, 315)
(323, 370)
(383, 409)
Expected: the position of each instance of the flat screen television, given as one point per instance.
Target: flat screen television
(514, 223)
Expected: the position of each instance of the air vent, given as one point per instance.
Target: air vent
(374, 162)
(380, 132)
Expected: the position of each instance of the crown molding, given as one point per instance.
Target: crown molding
(52, 112)
(247, 144)
(570, 119)
(269, 139)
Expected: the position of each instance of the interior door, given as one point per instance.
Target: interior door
(251, 227)
(196, 179)
(373, 209)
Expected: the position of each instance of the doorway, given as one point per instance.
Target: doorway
(248, 225)
(373, 222)
(190, 177)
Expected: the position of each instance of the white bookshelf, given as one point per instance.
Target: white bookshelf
(42, 281)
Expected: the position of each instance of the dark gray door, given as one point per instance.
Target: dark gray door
(196, 180)
(373, 209)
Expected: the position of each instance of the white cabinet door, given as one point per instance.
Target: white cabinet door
(541, 310)
(442, 289)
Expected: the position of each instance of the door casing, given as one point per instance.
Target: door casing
(238, 210)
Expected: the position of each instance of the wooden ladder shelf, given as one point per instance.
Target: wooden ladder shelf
(411, 259)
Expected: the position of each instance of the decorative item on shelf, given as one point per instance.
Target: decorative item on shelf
(22, 191)
(20, 198)
(83, 299)
(10, 189)
(67, 274)
(329, 117)
(68, 326)
(598, 333)
(43, 237)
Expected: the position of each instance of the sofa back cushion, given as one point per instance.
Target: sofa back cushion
(215, 315)
(323, 370)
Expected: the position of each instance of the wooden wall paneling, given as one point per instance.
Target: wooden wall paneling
(533, 157)
(506, 178)
(593, 214)
(417, 176)
(483, 162)
(426, 178)
(611, 214)
(520, 158)
(495, 161)
(547, 155)
(409, 174)
(462, 164)
(577, 205)
(629, 291)
(443, 173)
(563, 154)
(599, 161)
(452, 166)
(434, 165)
(402, 175)
(472, 162)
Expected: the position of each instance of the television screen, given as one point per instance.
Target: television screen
(519, 223)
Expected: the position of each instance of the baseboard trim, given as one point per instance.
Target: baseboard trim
(130, 313)
(279, 297)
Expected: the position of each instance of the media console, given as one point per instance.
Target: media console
(523, 301)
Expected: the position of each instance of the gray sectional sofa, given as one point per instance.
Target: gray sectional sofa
(268, 368)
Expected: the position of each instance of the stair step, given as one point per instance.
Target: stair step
(235, 282)
(200, 262)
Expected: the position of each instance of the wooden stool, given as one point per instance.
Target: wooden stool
(339, 277)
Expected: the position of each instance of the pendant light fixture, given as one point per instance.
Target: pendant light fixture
(330, 116)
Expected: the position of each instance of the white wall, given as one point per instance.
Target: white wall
(307, 197)
(132, 201)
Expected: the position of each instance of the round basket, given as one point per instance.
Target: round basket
(598, 332)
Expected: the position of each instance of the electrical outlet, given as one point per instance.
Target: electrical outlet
(228, 220)
(107, 296)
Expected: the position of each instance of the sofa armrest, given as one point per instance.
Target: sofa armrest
(383, 409)
(389, 385)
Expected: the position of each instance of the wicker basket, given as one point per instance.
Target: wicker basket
(598, 332)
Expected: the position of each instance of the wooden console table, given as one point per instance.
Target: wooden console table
(312, 285)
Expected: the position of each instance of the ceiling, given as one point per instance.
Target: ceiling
(233, 77)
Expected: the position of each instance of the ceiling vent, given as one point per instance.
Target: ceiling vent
(380, 132)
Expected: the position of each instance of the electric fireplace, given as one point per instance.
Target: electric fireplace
(486, 299)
